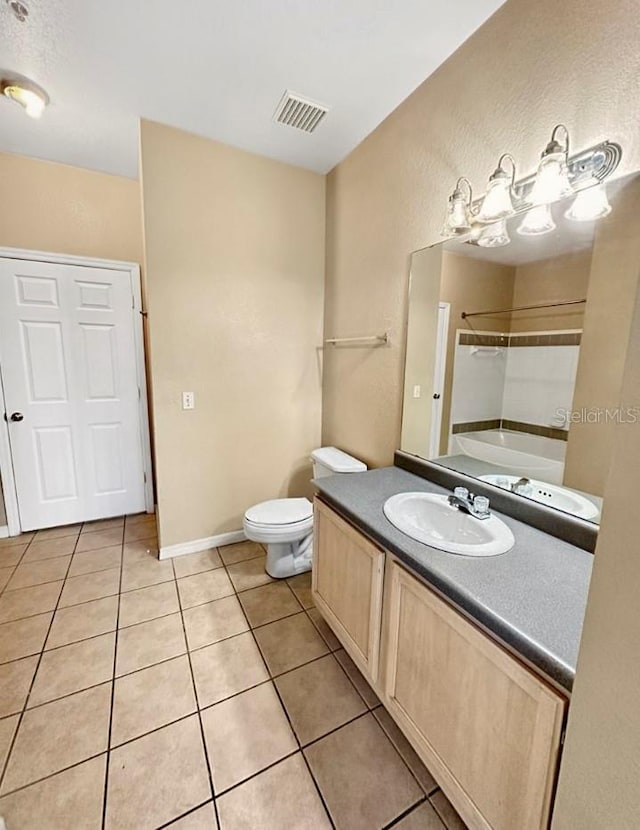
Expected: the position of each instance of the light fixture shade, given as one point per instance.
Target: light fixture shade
(494, 236)
(458, 218)
(552, 180)
(537, 221)
(589, 205)
(497, 203)
(28, 94)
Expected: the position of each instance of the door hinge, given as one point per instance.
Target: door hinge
(139, 393)
(144, 476)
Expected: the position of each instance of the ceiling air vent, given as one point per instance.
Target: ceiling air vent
(298, 112)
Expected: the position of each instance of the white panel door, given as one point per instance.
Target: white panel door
(68, 364)
(439, 370)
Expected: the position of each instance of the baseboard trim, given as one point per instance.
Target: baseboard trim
(197, 545)
(4, 532)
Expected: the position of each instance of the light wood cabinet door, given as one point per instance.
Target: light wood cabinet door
(347, 582)
(487, 727)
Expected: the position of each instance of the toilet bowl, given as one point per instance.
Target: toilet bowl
(285, 526)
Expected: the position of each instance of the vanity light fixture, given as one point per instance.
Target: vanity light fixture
(558, 175)
(459, 216)
(498, 201)
(537, 221)
(25, 92)
(552, 179)
(590, 204)
(494, 236)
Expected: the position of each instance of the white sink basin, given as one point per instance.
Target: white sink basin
(550, 494)
(428, 518)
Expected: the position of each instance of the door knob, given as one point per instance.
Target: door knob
(436, 397)
(17, 416)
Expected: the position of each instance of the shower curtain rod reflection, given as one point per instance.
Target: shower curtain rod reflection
(466, 314)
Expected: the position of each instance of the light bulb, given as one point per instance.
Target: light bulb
(28, 95)
(589, 205)
(494, 236)
(537, 221)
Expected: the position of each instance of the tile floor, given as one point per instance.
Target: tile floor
(191, 693)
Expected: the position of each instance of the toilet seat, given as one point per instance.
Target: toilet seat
(280, 512)
(279, 520)
(277, 533)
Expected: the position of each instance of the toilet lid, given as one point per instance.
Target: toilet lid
(280, 511)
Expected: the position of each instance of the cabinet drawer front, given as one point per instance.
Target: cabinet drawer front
(347, 584)
(484, 722)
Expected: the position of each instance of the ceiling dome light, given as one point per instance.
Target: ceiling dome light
(498, 201)
(552, 179)
(458, 219)
(537, 221)
(590, 204)
(494, 236)
(18, 9)
(25, 92)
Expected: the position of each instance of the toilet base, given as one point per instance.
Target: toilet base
(285, 559)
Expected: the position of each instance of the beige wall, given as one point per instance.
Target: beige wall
(235, 267)
(598, 787)
(528, 67)
(551, 280)
(613, 285)
(68, 210)
(60, 209)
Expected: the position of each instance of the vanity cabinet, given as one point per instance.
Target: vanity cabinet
(347, 583)
(487, 727)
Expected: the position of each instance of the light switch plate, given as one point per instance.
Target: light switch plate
(188, 400)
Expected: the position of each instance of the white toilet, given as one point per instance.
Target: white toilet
(285, 526)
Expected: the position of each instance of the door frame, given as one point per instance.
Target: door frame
(137, 313)
(439, 374)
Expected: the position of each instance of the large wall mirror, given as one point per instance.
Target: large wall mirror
(515, 352)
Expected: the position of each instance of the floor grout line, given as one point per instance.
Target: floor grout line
(53, 774)
(381, 725)
(175, 820)
(195, 694)
(5, 766)
(113, 691)
(286, 713)
(395, 821)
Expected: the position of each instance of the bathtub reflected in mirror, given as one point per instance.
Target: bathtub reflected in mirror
(514, 353)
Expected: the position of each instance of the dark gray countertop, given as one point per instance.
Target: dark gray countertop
(532, 598)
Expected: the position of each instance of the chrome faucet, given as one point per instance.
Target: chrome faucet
(476, 506)
(520, 484)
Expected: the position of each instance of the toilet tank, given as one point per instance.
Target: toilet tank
(328, 461)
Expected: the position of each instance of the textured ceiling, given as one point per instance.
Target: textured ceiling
(219, 69)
